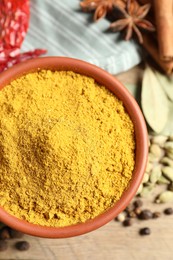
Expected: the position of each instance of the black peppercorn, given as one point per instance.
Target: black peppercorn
(138, 203)
(156, 214)
(138, 211)
(22, 245)
(168, 211)
(127, 222)
(145, 231)
(145, 214)
(4, 233)
(129, 208)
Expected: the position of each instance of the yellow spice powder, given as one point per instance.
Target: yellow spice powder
(66, 148)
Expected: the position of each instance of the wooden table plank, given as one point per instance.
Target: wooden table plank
(111, 242)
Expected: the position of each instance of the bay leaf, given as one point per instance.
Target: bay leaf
(135, 90)
(167, 84)
(154, 101)
(168, 129)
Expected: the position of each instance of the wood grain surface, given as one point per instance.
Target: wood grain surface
(112, 241)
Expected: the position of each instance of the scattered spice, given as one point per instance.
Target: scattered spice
(5, 233)
(156, 214)
(132, 15)
(133, 20)
(159, 169)
(22, 245)
(138, 203)
(145, 231)
(53, 153)
(127, 222)
(164, 197)
(141, 215)
(129, 208)
(101, 7)
(138, 211)
(10, 61)
(14, 23)
(132, 214)
(145, 214)
(136, 20)
(121, 217)
(3, 245)
(160, 156)
(168, 211)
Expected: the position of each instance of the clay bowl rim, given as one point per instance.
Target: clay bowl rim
(141, 136)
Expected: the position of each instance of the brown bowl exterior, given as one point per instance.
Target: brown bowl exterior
(141, 136)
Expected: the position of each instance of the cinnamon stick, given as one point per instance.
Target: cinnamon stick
(150, 44)
(164, 24)
(145, 1)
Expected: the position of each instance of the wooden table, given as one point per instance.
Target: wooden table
(112, 241)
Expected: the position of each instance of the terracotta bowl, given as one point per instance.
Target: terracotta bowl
(110, 82)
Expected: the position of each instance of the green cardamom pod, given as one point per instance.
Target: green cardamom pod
(146, 191)
(169, 146)
(139, 189)
(156, 150)
(164, 197)
(155, 174)
(163, 180)
(168, 172)
(159, 139)
(145, 178)
(167, 161)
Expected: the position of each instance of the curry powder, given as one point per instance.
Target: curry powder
(67, 148)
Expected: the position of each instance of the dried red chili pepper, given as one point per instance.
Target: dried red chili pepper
(14, 23)
(10, 61)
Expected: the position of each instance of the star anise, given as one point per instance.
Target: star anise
(101, 7)
(133, 20)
